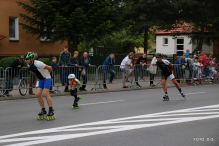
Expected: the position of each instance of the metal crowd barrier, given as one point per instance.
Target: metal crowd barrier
(22, 79)
(87, 76)
(104, 72)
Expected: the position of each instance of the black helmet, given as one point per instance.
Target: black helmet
(29, 55)
(158, 54)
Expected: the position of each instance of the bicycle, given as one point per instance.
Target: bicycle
(7, 86)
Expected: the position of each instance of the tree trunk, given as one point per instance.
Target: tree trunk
(73, 45)
(146, 40)
(201, 38)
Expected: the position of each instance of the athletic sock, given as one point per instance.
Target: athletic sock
(180, 90)
(43, 109)
(50, 109)
(166, 93)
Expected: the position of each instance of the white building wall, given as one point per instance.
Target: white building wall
(171, 47)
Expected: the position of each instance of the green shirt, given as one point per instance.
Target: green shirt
(64, 59)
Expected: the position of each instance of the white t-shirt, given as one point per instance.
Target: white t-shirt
(126, 59)
(38, 68)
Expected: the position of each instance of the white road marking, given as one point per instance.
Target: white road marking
(110, 126)
(102, 102)
(195, 93)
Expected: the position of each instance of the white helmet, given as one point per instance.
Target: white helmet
(71, 76)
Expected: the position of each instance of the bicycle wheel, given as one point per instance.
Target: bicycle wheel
(23, 87)
(2, 88)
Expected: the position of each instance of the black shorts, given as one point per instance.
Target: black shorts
(171, 76)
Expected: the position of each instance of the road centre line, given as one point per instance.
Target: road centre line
(102, 102)
(195, 93)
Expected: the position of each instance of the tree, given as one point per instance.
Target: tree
(144, 15)
(71, 20)
(200, 15)
(122, 40)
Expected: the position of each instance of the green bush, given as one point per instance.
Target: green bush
(7, 61)
(44, 60)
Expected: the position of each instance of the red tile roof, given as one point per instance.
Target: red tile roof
(185, 28)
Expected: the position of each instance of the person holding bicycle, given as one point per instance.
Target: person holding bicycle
(12, 71)
(42, 72)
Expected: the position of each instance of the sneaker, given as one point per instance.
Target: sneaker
(106, 89)
(124, 87)
(152, 85)
(138, 85)
(206, 80)
(142, 79)
(111, 82)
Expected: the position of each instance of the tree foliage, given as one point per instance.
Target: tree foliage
(71, 20)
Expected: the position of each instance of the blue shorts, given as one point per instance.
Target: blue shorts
(46, 83)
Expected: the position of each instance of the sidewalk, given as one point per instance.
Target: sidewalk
(112, 88)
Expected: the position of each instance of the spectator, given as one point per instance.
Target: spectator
(178, 67)
(212, 69)
(32, 80)
(64, 61)
(84, 61)
(207, 65)
(187, 53)
(52, 73)
(12, 71)
(74, 62)
(200, 65)
(126, 65)
(153, 71)
(18, 63)
(191, 59)
(195, 70)
(108, 63)
(198, 55)
(139, 67)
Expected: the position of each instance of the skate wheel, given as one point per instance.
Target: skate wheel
(54, 117)
(72, 107)
(50, 118)
(38, 118)
(47, 118)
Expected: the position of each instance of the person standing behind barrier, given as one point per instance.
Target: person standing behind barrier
(108, 63)
(84, 61)
(42, 72)
(178, 67)
(200, 65)
(75, 63)
(64, 61)
(54, 68)
(212, 69)
(207, 66)
(203, 57)
(12, 72)
(32, 80)
(166, 68)
(187, 53)
(126, 65)
(139, 67)
(195, 70)
(153, 71)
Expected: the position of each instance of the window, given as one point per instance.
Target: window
(45, 37)
(13, 28)
(165, 41)
(179, 46)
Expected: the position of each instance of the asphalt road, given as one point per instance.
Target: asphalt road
(129, 118)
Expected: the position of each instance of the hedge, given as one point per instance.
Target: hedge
(7, 61)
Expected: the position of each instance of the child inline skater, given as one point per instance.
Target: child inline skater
(74, 87)
(166, 68)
